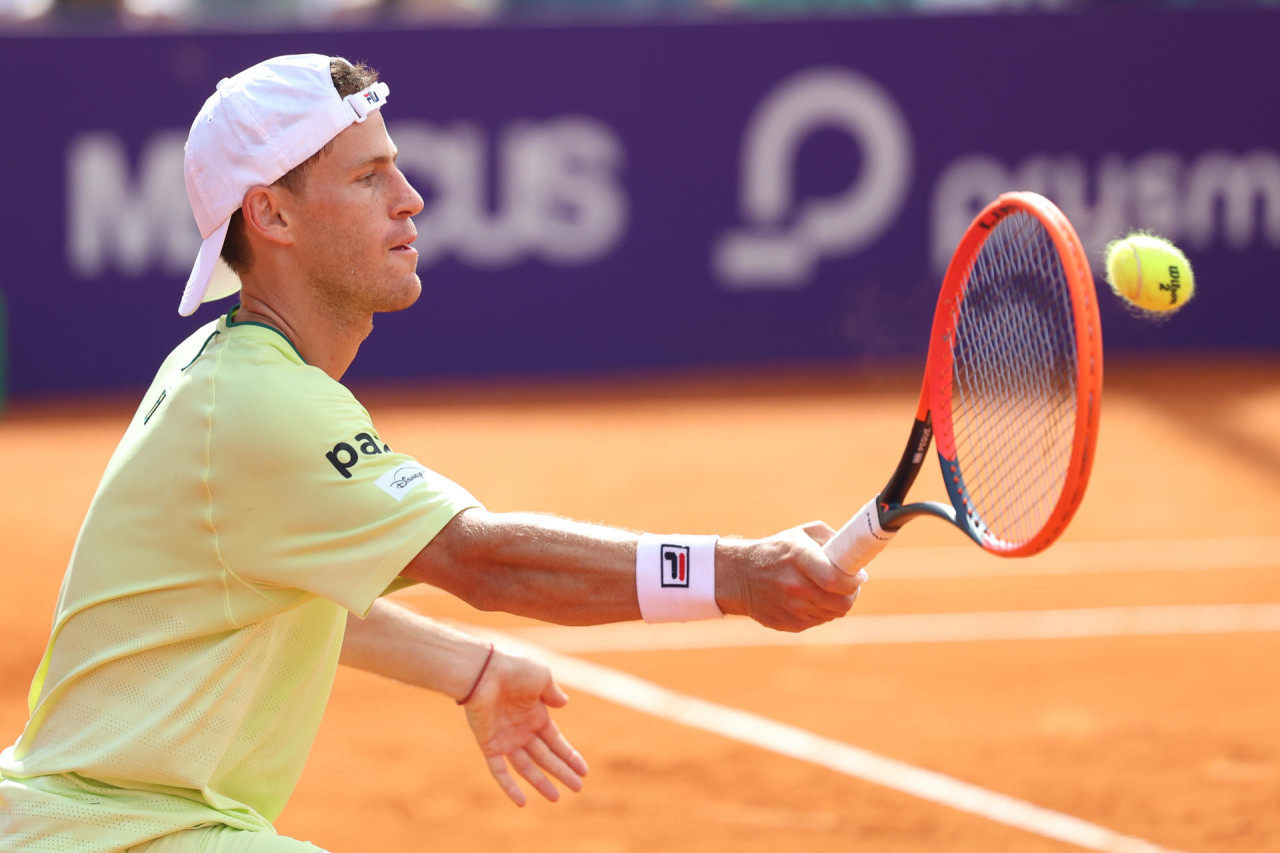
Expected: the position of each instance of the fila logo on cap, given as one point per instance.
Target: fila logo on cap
(674, 565)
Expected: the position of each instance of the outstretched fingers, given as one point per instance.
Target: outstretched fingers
(529, 771)
(548, 752)
(498, 770)
(547, 759)
(557, 743)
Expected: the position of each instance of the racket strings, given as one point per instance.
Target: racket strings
(1014, 381)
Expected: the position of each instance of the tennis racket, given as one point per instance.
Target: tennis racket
(1011, 393)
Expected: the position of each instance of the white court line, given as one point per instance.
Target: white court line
(650, 698)
(1066, 558)
(917, 628)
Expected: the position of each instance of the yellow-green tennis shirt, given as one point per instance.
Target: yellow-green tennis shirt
(249, 507)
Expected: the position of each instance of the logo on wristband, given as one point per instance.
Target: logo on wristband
(675, 565)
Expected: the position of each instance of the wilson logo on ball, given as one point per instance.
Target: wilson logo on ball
(1173, 286)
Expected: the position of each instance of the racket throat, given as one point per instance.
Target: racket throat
(894, 513)
(893, 516)
(961, 511)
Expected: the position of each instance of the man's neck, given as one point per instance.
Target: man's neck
(322, 339)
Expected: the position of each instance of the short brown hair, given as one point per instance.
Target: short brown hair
(347, 79)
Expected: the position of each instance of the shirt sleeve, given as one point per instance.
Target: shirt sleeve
(306, 494)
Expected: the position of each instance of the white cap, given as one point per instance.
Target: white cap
(256, 127)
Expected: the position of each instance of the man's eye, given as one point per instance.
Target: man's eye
(366, 179)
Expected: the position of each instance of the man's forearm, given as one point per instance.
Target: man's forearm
(398, 643)
(544, 567)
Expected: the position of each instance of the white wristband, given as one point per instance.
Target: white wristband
(676, 578)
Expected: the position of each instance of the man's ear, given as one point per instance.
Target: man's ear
(266, 215)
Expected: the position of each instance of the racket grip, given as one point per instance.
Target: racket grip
(858, 542)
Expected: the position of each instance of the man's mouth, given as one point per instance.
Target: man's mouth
(406, 242)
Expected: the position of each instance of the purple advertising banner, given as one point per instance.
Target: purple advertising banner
(652, 196)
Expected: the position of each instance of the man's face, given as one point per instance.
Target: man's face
(353, 229)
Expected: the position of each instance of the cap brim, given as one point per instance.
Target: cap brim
(210, 278)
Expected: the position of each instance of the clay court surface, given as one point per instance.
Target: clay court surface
(1124, 684)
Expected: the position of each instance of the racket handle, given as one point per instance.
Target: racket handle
(858, 542)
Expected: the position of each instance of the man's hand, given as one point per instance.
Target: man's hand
(784, 582)
(507, 709)
(508, 712)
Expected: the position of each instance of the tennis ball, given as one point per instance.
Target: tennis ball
(1149, 272)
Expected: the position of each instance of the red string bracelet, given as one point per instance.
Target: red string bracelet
(484, 668)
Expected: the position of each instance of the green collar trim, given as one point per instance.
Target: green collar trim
(231, 323)
(203, 346)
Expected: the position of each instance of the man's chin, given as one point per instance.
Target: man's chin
(402, 298)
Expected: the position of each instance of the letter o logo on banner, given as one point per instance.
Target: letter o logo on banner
(766, 253)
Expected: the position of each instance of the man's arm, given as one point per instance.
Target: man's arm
(574, 573)
(508, 696)
(397, 643)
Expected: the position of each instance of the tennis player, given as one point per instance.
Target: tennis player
(252, 519)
